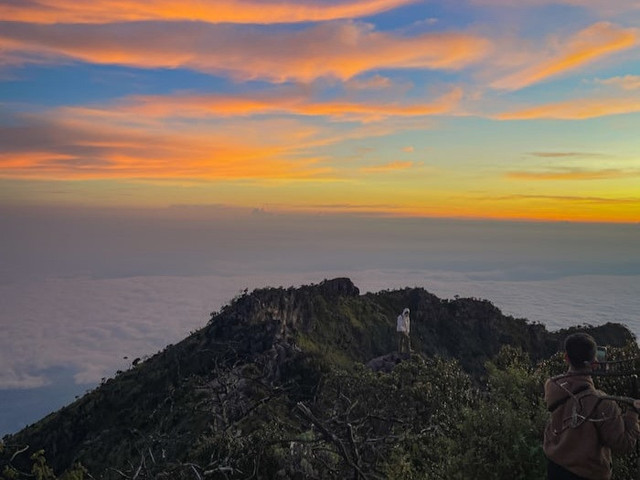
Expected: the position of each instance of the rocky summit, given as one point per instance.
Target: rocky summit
(306, 383)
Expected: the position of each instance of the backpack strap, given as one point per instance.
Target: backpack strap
(554, 406)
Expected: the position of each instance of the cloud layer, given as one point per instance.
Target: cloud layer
(220, 11)
(578, 109)
(340, 49)
(292, 102)
(89, 325)
(586, 46)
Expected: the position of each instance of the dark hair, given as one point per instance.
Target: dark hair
(581, 349)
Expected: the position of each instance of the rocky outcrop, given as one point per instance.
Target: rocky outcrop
(338, 287)
(386, 363)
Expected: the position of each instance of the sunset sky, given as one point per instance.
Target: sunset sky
(503, 109)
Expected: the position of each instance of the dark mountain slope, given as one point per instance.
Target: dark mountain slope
(239, 381)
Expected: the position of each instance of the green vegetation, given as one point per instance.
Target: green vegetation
(276, 386)
(12, 463)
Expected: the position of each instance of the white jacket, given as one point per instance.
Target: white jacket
(404, 322)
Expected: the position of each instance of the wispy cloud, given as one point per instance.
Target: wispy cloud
(576, 109)
(388, 167)
(262, 136)
(290, 102)
(338, 49)
(198, 137)
(578, 199)
(588, 45)
(90, 147)
(573, 174)
(376, 82)
(626, 82)
(18, 377)
(566, 154)
(605, 6)
(228, 11)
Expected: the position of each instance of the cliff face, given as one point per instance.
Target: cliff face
(260, 356)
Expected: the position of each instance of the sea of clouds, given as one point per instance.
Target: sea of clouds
(91, 325)
(83, 295)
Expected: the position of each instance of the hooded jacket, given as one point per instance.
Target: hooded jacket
(585, 428)
(403, 323)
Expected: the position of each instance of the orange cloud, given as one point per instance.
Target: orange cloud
(586, 46)
(573, 174)
(566, 154)
(389, 167)
(216, 11)
(340, 50)
(61, 146)
(577, 199)
(194, 106)
(81, 143)
(17, 161)
(577, 109)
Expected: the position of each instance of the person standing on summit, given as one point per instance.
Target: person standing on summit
(403, 327)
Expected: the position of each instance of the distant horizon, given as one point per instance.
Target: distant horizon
(213, 211)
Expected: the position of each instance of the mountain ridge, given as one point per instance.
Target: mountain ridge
(267, 354)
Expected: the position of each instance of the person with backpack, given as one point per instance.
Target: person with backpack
(585, 427)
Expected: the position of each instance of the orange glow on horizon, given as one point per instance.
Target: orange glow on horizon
(550, 209)
(574, 174)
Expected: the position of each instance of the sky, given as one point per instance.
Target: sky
(471, 109)
(157, 157)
